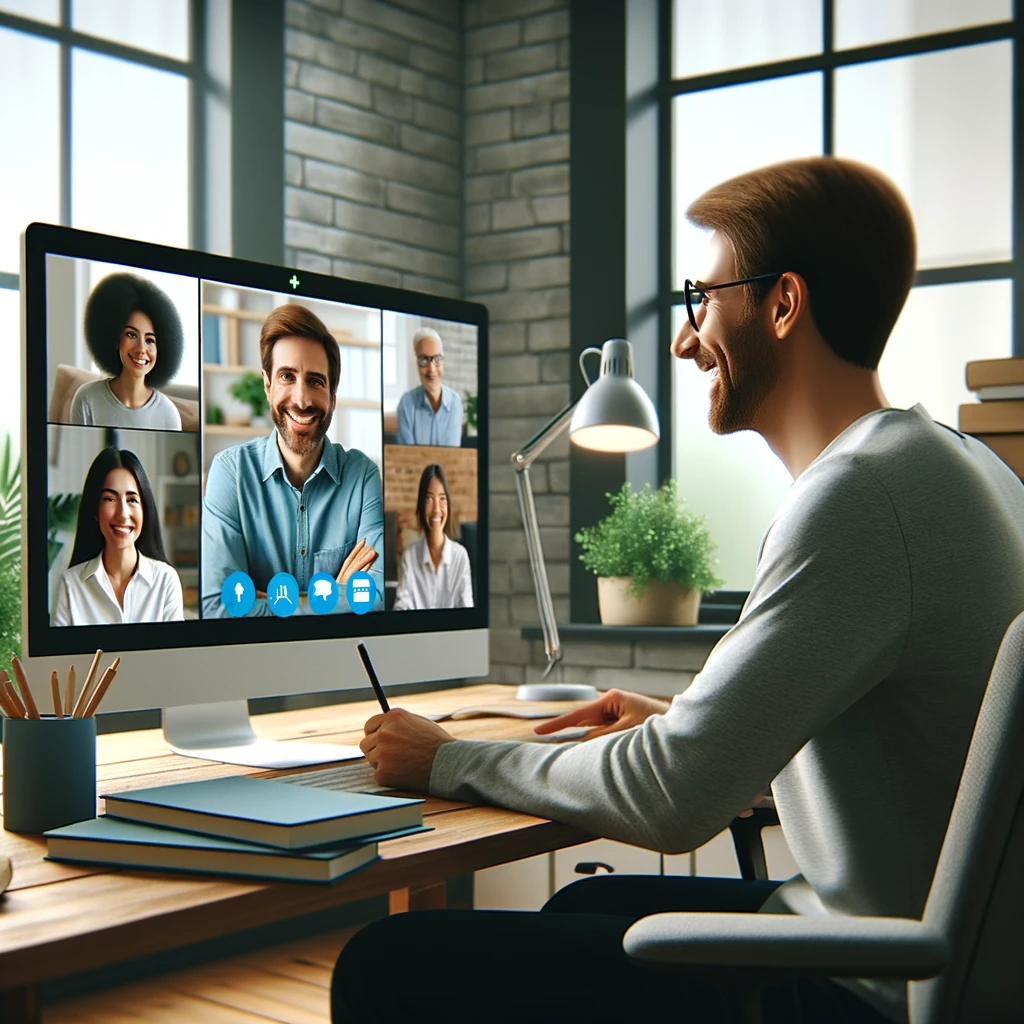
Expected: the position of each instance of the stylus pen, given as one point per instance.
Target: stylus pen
(364, 656)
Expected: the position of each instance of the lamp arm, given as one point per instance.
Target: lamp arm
(521, 462)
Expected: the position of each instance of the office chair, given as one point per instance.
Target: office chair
(963, 944)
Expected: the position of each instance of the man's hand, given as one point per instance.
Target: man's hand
(401, 747)
(615, 711)
(359, 559)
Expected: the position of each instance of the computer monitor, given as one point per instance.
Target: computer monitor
(180, 510)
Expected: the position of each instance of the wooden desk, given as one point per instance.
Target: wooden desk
(58, 919)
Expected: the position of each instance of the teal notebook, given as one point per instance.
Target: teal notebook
(108, 841)
(263, 811)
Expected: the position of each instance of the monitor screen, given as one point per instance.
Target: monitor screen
(223, 453)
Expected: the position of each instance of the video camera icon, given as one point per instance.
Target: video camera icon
(323, 594)
(238, 594)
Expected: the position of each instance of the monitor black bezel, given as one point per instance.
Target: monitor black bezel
(41, 240)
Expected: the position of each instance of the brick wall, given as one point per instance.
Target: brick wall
(403, 467)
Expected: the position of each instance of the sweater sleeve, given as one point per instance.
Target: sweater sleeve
(825, 621)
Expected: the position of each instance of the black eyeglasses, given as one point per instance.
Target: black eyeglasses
(695, 296)
(425, 361)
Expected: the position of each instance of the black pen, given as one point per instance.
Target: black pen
(364, 656)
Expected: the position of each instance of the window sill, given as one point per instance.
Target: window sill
(595, 631)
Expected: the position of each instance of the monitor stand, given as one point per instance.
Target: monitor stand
(223, 732)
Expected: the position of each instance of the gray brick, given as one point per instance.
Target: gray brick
(491, 11)
(291, 72)
(554, 368)
(556, 541)
(683, 655)
(392, 103)
(470, 13)
(552, 509)
(506, 338)
(306, 17)
(298, 106)
(517, 92)
(500, 480)
(546, 335)
(320, 51)
(372, 159)
(482, 188)
(511, 214)
(477, 219)
(430, 205)
(505, 511)
(544, 27)
(412, 81)
(352, 246)
(563, 53)
(312, 262)
(366, 38)
(322, 82)
(558, 578)
(510, 432)
(511, 675)
(508, 156)
(558, 474)
(560, 115)
(365, 272)
(443, 92)
(301, 45)
(334, 6)
(514, 370)
(481, 41)
(311, 206)
(540, 181)
(528, 305)
(494, 126)
(378, 70)
(523, 61)
(486, 277)
(551, 209)
(539, 398)
(523, 609)
(508, 647)
(566, 231)
(292, 170)
(433, 62)
(513, 245)
(498, 611)
(504, 545)
(430, 144)
(409, 26)
(437, 118)
(432, 286)
(534, 119)
(344, 183)
(445, 11)
(399, 227)
(598, 654)
(348, 120)
(539, 273)
(473, 73)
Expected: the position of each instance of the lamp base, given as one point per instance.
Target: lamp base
(556, 691)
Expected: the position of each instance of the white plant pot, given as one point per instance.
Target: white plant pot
(662, 604)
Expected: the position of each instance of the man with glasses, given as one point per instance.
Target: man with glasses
(430, 414)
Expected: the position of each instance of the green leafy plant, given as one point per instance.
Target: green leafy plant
(470, 406)
(61, 517)
(10, 505)
(650, 535)
(248, 389)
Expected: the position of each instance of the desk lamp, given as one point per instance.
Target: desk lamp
(614, 414)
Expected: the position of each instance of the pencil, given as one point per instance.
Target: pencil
(12, 695)
(6, 705)
(55, 692)
(69, 693)
(104, 685)
(26, 693)
(83, 697)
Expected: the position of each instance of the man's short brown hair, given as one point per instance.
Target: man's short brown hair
(295, 321)
(843, 226)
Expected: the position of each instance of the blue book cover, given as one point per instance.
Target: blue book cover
(211, 338)
(266, 812)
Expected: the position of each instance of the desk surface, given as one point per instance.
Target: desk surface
(58, 919)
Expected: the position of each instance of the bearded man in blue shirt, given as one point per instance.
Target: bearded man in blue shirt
(294, 501)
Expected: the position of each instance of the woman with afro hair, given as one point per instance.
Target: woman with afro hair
(134, 334)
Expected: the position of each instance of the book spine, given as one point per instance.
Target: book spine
(1009, 447)
(1000, 393)
(1005, 417)
(994, 373)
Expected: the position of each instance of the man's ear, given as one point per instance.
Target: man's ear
(789, 304)
(266, 382)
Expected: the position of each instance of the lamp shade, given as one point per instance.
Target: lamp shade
(615, 414)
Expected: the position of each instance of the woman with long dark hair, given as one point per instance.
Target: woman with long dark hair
(435, 569)
(118, 570)
(134, 335)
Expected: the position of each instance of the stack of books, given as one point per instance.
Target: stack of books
(239, 826)
(998, 417)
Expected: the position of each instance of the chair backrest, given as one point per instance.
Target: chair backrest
(977, 895)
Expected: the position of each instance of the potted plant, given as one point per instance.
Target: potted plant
(653, 559)
(248, 390)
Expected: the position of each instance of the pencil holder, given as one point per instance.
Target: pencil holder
(49, 772)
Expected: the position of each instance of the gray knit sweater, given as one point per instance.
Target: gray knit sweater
(852, 679)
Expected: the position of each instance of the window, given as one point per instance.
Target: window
(921, 90)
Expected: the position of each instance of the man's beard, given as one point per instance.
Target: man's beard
(754, 370)
(301, 446)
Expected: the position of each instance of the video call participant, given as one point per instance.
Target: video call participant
(134, 334)
(435, 570)
(292, 502)
(430, 414)
(118, 570)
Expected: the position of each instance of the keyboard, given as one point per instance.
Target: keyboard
(353, 777)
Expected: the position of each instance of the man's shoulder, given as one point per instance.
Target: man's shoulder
(247, 454)
(409, 397)
(353, 460)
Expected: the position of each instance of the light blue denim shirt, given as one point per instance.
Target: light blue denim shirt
(419, 424)
(256, 521)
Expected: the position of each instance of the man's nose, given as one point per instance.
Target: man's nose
(686, 344)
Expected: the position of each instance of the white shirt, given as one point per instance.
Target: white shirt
(85, 595)
(420, 585)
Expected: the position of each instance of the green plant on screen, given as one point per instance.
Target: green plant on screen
(10, 550)
(248, 390)
(61, 517)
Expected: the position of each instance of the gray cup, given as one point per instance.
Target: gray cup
(49, 772)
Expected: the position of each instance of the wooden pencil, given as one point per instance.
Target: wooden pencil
(69, 693)
(12, 695)
(104, 685)
(6, 705)
(26, 693)
(83, 697)
(55, 693)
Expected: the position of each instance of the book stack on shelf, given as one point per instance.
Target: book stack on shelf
(239, 826)
(998, 417)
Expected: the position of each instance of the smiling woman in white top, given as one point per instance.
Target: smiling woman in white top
(435, 570)
(119, 572)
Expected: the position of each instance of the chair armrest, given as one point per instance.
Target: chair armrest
(834, 946)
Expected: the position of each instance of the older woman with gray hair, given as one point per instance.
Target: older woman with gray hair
(430, 414)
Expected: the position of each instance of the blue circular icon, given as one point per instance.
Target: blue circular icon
(237, 594)
(361, 592)
(283, 594)
(323, 593)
